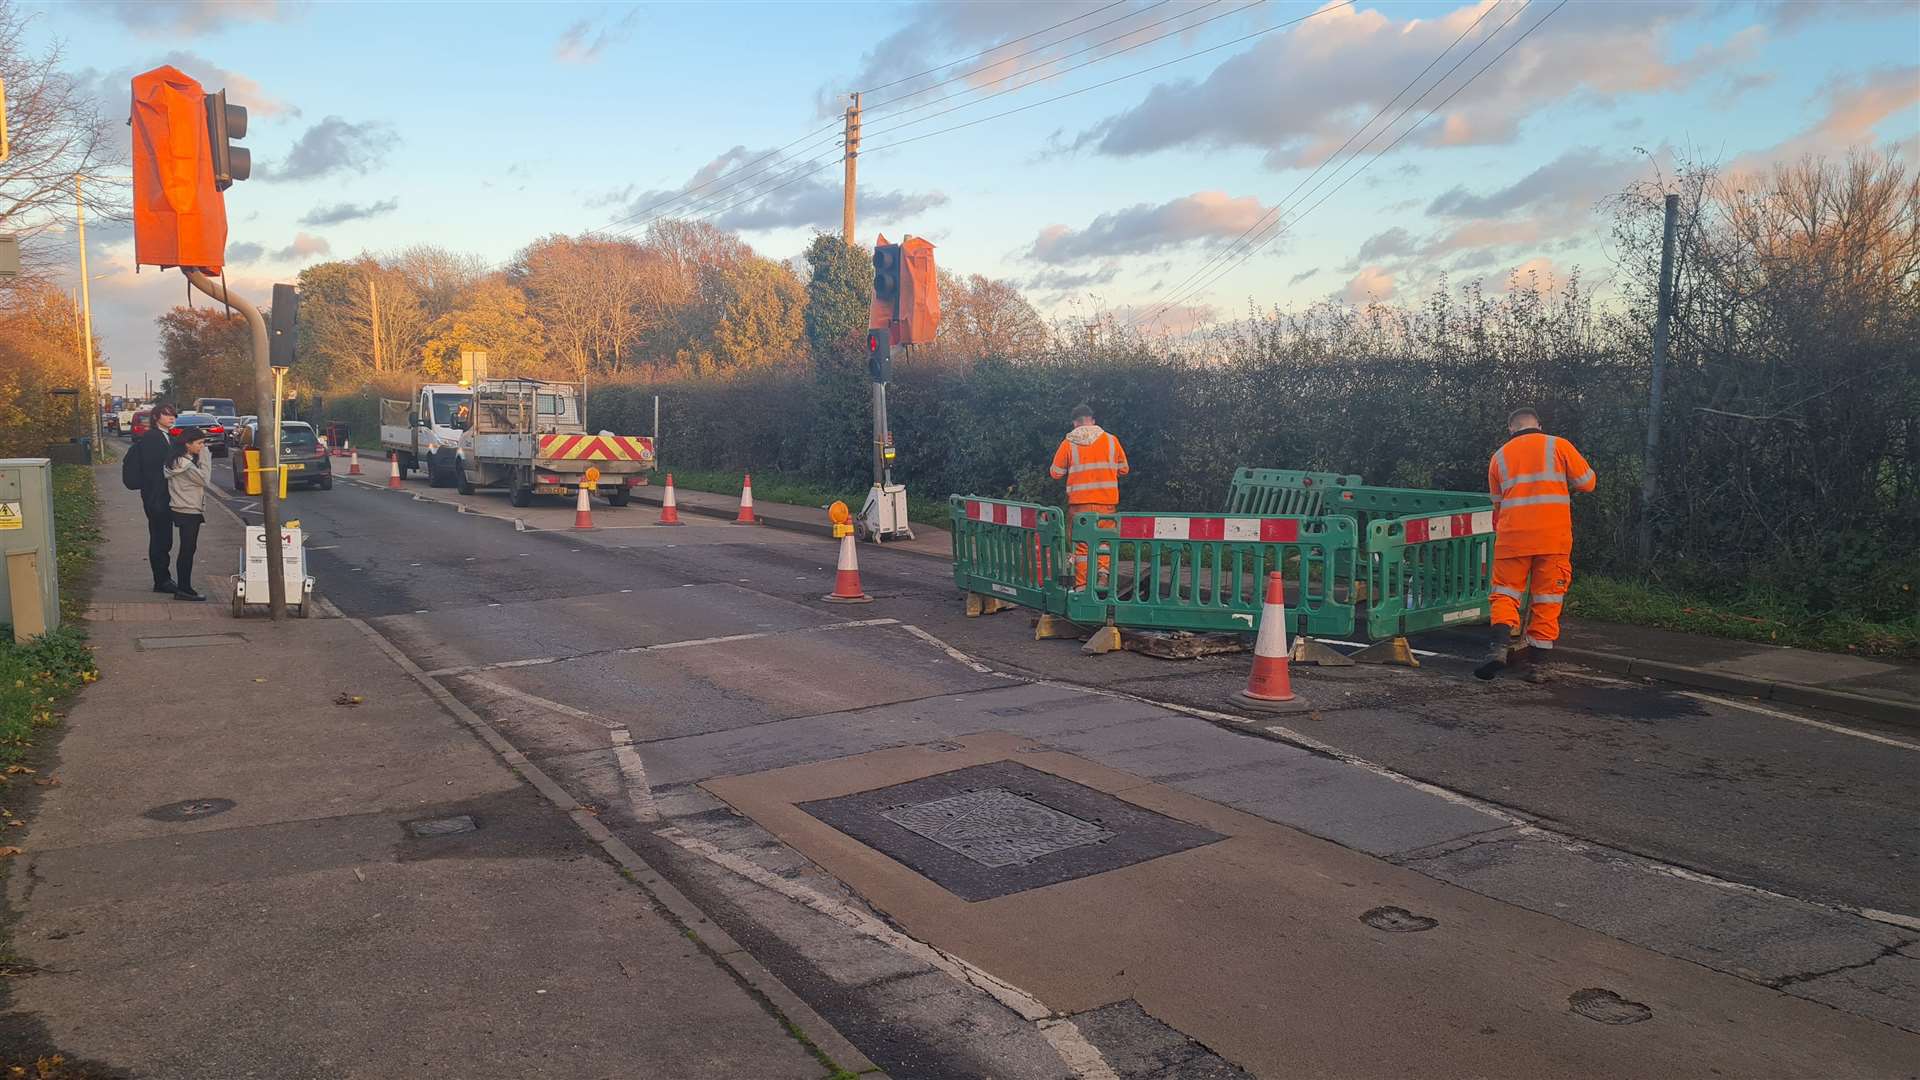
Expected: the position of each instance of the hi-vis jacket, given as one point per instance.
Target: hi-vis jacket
(1532, 479)
(1092, 463)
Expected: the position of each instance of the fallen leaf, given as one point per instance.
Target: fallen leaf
(50, 781)
(15, 770)
(9, 852)
(348, 700)
(260, 679)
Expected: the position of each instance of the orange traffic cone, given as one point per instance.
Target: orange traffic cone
(582, 511)
(669, 509)
(846, 581)
(1270, 685)
(353, 463)
(746, 503)
(393, 477)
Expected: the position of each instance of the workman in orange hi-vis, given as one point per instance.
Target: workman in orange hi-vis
(1091, 461)
(1532, 479)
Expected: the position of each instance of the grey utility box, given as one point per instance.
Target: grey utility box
(30, 585)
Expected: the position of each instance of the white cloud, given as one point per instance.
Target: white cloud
(333, 146)
(1367, 286)
(586, 40)
(1145, 227)
(156, 18)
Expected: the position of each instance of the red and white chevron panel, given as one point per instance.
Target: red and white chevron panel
(1260, 530)
(999, 513)
(1449, 526)
(596, 448)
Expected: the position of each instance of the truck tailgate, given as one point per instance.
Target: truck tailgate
(615, 453)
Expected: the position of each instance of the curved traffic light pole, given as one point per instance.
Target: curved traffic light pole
(270, 450)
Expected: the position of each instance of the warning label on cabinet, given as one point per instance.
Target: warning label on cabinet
(10, 516)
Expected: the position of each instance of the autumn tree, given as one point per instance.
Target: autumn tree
(337, 323)
(207, 352)
(983, 317)
(39, 352)
(491, 316)
(762, 313)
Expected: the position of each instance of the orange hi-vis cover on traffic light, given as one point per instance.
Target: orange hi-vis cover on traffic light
(179, 218)
(919, 293)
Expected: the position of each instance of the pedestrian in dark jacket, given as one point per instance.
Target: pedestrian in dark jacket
(188, 470)
(155, 449)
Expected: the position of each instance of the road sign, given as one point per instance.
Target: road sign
(103, 375)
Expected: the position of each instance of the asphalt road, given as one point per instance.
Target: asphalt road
(1688, 825)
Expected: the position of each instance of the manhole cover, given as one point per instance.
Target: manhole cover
(189, 809)
(445, 826)
(1607, 1007)
(995, 827)
(1398, 920)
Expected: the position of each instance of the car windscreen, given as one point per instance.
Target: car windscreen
(297, 438)
(447, 406)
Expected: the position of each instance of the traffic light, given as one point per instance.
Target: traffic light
(226, 123)
(879, 354)
(886, 277)
(283, 328)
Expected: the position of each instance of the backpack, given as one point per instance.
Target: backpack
(130, 477)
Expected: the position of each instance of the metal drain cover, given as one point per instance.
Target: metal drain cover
(995, 827)
(189, 809)
(1398, 920)
(1001, 828)
(445, 826)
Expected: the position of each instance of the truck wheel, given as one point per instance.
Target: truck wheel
(521, 495)
(619, 497)
(460, 483)
(406, 465)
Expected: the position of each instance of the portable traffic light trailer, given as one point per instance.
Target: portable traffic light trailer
(906, 312)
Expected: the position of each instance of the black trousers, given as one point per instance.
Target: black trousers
(159, 542)
(189, 525)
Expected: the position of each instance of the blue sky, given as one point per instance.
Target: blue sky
(481, 126)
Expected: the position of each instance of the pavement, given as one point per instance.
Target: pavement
(273, 852)
(1882, 688)
(1425, 874)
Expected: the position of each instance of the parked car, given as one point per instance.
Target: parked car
(225, 442)
(215, 406)
(299, 445)
(204, 423)
(142, 420)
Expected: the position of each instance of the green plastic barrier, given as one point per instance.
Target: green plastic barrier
(1208, 571)
(1426, 572)
(1015, 551)
(1284, 491)
(1366, 505)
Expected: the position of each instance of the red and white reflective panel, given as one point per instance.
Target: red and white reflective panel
(997, 513)
(1449, 526)
(1261, 530)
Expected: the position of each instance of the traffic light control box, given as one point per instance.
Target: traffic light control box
(30, 585)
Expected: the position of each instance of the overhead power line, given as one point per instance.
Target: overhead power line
(1002, 45)
(1174, 295)
(1104, 83)
(1277, 227)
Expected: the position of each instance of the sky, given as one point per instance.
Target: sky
(1167, 160)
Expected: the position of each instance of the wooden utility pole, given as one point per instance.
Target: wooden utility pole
(373, 305)
(1663, 315)
(853, 170)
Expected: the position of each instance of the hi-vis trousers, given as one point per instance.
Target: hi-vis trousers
(1080, 550)
(1549, 577)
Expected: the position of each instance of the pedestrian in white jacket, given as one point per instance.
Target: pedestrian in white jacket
(188, 471)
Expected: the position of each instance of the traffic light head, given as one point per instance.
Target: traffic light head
(879, 355)
(886, 276)
(283, 325)
(226, 123)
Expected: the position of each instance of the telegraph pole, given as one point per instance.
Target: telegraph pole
(1663, 315)
(91, 391)
(373, 305)
(853, 162)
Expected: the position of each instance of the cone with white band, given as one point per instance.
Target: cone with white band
(393, 475)
(582, 510)
(669, 509)
(846, 579)
(1270, 684)
(353, 463)
(746, 503)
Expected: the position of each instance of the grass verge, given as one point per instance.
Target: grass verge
(773, 487)
(1754, 615)
(37, 677)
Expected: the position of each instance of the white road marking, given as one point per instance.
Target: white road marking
(951, 651)
(1075, 1051)
(1778, 715)
(634, 772)
(728, 639)
(1363, 644)
(544, 703)
(328, 547)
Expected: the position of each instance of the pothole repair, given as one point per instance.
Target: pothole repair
(189, 809)
(1607, 1007)
(1398, 920)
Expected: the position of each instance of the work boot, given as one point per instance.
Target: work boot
(1497, 639)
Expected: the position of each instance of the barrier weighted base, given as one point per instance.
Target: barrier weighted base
(1050, 627)
(979, 604)
(1308, 651)
(1394, 650)
(1104, 640)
